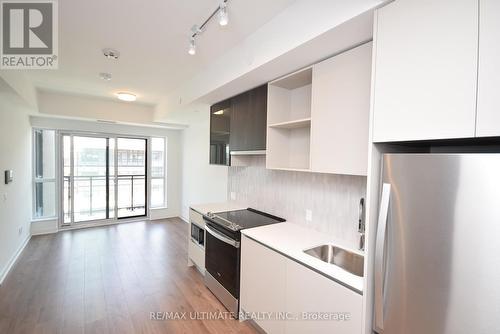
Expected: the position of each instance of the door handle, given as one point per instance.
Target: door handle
(222, 238)
(379, 257)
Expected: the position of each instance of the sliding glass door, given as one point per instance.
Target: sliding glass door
(131, 176)
(92, 166)
(90, 178)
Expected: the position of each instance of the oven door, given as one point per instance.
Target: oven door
(222, 259)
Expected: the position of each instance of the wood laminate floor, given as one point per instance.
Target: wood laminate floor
(108, 280)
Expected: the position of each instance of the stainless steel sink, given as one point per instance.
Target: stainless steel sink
(345, 259)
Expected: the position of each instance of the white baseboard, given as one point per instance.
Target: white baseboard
(13, 259)
(46, 226)
(161, 213)
(184, 219)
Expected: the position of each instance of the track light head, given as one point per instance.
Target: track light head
(223, 15)
(192, 47)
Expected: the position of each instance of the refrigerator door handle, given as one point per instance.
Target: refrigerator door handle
(379, 257)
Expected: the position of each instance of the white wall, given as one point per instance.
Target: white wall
(201, 182)
(15, 198)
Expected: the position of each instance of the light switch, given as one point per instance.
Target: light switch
(8, 176)
(309, 215)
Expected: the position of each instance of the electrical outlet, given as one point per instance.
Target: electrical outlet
(309, 215)
(20, 230)
(233, 196)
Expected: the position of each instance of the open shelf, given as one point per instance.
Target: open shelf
(289, 98)
(288, 148)
(259, 152)
(299, 123)
(289, 122)
(290, 169)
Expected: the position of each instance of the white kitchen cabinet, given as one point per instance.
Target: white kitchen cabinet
(262, 283)
(310, 293)
(488, 100)
(271, 282)
(425, 70)
(340, 112)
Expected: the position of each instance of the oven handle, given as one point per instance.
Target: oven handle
(222, 238)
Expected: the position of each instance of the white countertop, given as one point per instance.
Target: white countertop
(292, 239)
(217, 207)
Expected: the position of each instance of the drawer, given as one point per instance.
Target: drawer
(197, 255)
(196, 218)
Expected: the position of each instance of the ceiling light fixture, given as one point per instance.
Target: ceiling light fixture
(111, 53)
(128, 97)
(223, 15)
(219, 112)
(221, 11)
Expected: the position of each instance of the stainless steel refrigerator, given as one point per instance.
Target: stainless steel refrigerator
(437, 256)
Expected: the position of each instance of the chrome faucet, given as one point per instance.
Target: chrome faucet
(361, 224)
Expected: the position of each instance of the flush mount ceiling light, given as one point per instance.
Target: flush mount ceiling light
(111, 54)
(220, 112)
(222, 13)
(128, 97)
(105, 76)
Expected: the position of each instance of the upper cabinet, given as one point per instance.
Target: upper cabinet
(426, 69)
(220, 125)
(340, 112)
(248, 122)
(488, 101)
(318, 117)
(238, 124)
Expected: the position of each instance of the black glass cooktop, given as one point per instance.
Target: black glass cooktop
(242, 219)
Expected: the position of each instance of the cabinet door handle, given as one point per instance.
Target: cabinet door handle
(380, 258)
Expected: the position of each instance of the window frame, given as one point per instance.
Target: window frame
(163, 177)
(56, 180)
(36, 180)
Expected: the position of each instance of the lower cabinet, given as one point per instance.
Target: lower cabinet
(283, 296)
(322, 305)
(262, 288)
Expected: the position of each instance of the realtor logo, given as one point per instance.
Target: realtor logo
(29, 35)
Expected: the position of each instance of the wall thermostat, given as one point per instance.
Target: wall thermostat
(8, 176)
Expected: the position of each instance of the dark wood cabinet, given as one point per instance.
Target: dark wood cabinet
(238, 124)
(220, 127)
(248, 122)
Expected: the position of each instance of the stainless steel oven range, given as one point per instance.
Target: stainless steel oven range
(222, 251)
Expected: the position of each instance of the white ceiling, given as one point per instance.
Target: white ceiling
(152, 37)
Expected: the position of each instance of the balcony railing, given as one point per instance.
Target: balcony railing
(94, 187)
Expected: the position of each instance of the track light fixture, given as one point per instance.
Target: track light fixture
(222, 13)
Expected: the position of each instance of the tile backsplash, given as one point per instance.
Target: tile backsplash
(333, 199)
